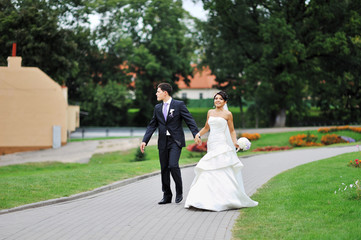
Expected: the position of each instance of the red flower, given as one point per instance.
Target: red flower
(197, 148)
(271, 148)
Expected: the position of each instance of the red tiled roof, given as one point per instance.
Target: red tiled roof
(200, 80)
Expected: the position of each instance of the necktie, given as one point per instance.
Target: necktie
(165, 111)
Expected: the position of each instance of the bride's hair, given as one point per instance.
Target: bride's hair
(223, 94)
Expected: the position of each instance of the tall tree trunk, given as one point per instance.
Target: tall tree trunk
(280, 120)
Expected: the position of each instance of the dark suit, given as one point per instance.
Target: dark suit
(170, 147)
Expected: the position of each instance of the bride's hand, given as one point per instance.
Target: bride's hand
(236, 146)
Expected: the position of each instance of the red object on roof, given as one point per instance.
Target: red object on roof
(14, 50)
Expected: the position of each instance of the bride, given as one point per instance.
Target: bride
(218, 184)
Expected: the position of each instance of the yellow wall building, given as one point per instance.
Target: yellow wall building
(31, 103)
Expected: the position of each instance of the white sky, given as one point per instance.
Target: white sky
(195, 9)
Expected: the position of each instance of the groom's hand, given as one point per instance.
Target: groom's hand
(142, 146)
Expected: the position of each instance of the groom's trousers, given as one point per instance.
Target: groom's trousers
(169, 163)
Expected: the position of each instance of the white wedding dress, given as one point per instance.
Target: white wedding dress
(218, 184)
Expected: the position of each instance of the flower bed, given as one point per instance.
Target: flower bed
(251, 136)
(356, 163)
(271, 148)
(304, 140)
(348, 139)
(332, 139)
(339, 128)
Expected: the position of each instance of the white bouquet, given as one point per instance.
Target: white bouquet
(244, 144)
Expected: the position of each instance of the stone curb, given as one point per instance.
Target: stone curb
(85, 194)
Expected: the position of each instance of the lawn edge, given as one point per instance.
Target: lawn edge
(108, 187)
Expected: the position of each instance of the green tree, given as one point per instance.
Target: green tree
(281, 85)
(230, 43)
(256, 52)
(332, 34)
(281, 52)
(152, 39)
(42, 40)
(107, 105)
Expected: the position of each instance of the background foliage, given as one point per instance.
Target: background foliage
(276, 58)
(279, 53)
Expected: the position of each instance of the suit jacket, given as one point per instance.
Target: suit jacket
(177, 112)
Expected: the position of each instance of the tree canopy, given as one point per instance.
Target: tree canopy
(277, 57)
(153, 41)
(278, 54)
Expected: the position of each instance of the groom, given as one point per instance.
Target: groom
(167, 117)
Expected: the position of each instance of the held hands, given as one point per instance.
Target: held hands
(198, 140)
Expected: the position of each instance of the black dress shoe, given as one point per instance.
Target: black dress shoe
(165, 200)
(179, 198)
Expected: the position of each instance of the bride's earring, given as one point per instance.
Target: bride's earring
(214, 106)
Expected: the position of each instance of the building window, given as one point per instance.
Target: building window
(184, 95)
(201, 96)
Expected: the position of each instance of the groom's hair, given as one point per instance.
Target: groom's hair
(166, 87)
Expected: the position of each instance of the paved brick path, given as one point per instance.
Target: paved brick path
(132, 212)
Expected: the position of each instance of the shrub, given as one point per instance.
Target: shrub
(332, 139)
(250, 136)
(139, 156)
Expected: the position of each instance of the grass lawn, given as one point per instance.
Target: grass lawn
(301, 204)
(33, 182)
